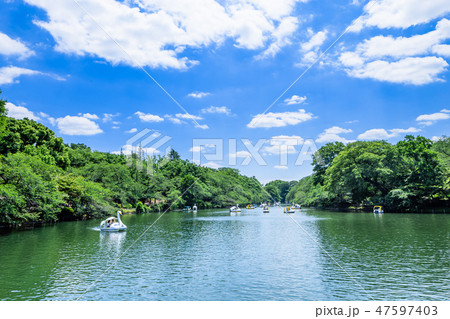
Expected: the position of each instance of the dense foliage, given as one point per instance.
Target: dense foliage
(279, 189)
(408, 176)
(44, 180)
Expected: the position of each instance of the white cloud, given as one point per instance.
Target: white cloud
(20, 112)
(429, 119)
(9, 74)
(311, 49)
(197, 149)
(241, 154)
(132, 149)
(77, 125)
(332, 135)
(351, 59)
(108, 117)
(174, 120)
(181, 118)
(382, 134)
(148, 117)
(211, 165)
(441, 49)
(133, 130)
(316, 40)
(89, 116)
(295, 99)
(198, 95)
(404, 60)
(383, 46)
(202, 126)
(155, 33)
(282, 144)
(416, 71)
(217, 110)
(282, 37)
(271, 119)
(374, 134)
(187, 116)
(12, 47)
(437, 138)
(386, 14)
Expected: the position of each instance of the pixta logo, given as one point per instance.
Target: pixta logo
(148, 150)
(209, 151)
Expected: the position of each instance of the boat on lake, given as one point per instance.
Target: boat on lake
(235, 209)
(378, 210)
(113, 224)
(265, 209)
(194, 208)
(289, 210)
(250, 206)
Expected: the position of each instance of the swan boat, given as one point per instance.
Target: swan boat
(266, 209)
(194, 208)
(235, 209)
(113, 224)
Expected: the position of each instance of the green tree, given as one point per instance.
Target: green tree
(423, 172)
(29, 191)
(363, 170)
(34, 138)
(3, 113)
(323, 158)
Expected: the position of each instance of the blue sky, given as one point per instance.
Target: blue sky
(374, 70)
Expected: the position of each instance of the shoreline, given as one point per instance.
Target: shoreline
(4, 229)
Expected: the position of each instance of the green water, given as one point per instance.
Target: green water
(213, 255)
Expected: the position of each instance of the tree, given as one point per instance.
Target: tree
(423, 172)
(28, 190)
(173, 155)
(323, 158)
(3, 113)
(19, 134)
(283, 188)
(362, 170)
(273, 191)
(442, 148)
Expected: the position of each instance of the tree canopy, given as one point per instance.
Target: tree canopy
(44, 180)
(411, 174)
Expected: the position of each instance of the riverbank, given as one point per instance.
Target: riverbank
(369, 209)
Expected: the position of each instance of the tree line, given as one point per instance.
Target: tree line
(409, 176)
(42, 179)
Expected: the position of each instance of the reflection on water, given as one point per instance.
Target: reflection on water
(111, 242)
(215, 255)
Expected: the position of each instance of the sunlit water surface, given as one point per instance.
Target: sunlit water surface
(215, 255)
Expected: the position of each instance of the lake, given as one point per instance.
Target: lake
(214, 255)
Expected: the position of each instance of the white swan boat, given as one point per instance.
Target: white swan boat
(113, 224)
(194, 208)
(266, 209)
(235, 209)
